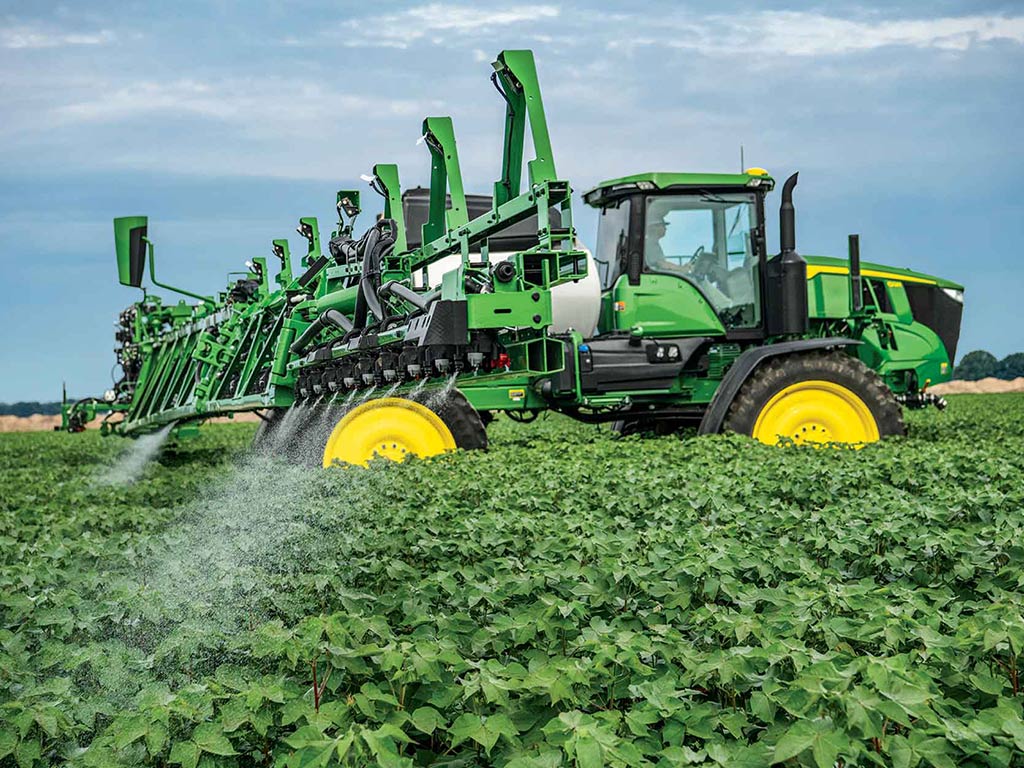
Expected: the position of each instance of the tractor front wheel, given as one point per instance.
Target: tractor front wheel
(815, 398)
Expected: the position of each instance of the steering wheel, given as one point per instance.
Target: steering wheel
(702, 266)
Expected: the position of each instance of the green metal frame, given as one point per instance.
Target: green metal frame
(234, 352)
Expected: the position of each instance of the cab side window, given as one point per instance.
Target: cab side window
(612, 231)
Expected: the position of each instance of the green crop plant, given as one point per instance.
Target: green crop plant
(703, 601)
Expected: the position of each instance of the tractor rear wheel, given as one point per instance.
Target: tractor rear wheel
(815, 398)
(395, 427)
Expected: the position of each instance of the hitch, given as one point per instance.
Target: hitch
(922, 399)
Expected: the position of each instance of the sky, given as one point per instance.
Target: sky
(225, 122)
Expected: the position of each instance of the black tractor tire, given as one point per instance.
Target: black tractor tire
(464, 422)
(776, 374)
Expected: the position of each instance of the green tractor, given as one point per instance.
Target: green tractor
(452, 308)
(685, 255)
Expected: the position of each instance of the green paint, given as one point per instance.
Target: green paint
(490, 323)
(661, 305)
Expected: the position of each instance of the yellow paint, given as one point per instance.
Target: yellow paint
(516, 394)
(813, 270)
(391, 427)
(816, 411)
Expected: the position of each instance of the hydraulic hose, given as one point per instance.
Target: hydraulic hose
(330, 317)
(310, 273)
(366, 243)
(419, 300)
(377, 242)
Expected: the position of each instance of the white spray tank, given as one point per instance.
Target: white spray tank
(574, 305)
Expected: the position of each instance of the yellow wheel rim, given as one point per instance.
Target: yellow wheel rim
(816, 412)
(390, 427)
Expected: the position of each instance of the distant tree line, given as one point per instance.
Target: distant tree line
(981, 365)
(27, 409)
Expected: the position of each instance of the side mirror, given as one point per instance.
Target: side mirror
(130, 243)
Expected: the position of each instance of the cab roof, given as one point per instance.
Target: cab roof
(664, 181)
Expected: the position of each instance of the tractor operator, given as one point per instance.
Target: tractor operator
(701, 267)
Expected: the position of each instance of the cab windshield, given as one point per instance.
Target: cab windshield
(708, 240)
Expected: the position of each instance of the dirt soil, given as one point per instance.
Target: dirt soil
(39, 423)
(987, 386)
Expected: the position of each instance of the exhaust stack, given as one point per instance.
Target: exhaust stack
(785, 312)
(787, 217)
(856, 292)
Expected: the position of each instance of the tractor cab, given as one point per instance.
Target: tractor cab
(682, 254)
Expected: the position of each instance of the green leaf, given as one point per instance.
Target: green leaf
(344, 744)
(156, 738)
(466, 726)
(799, 737)
(427, 719)
(1015, 727)
(935, 751)
(762, 707)
(588, 753)
(185, 753)
(8, 741)
(129, 730)
(211, 738)
(305, 736)
(988, 684)
(484, 731)
(827, 747)
(26, 753)
(819, 736)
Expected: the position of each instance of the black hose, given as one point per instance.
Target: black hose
(419, 300)
(330, 317)
(378, 241)
(310, 273)
(359, 316)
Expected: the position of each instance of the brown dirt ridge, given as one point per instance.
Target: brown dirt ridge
(40, 423)
(989, 386)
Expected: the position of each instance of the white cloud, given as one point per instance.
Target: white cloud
(28, 37)
(399, 30)
(286, 105)
(797, 33)
(470, 19)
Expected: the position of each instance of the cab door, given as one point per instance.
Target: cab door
(699, 271)
(662, 305)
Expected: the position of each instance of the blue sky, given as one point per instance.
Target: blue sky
(226, 121)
